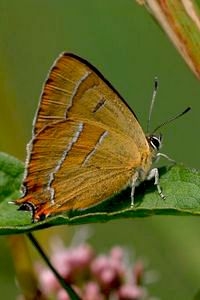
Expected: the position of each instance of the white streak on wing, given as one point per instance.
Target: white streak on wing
(62, 159)
(70, 101)
(101, 138)
(76, 88)
(28, 157)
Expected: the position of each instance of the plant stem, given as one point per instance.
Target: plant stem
(71, 293)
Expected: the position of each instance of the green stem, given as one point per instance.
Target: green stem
(72, 294)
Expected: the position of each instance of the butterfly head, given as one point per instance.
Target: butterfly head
(155, 141)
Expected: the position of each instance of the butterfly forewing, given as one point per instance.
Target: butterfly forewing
(76, 88)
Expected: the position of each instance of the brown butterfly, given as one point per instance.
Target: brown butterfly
(87, 143)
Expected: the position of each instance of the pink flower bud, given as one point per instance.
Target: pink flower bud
(92, 292)
(117, 253)
(130, 292)
(62, 294)
(48, 282)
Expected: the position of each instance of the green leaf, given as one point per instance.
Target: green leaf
(180, 185)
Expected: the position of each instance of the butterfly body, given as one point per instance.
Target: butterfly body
(87, 144)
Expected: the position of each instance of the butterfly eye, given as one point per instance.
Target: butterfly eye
(155, 141)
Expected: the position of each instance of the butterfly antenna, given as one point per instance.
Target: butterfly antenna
(172, 119)
(155, 89)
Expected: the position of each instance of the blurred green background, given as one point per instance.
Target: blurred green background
(128, 47)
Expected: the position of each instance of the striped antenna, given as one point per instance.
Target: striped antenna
(152, 102)
(172, 119)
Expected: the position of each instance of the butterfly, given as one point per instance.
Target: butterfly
(87, 143)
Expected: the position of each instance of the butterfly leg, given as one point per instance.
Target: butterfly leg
(154, 174)
(133, 185)
(165, 156)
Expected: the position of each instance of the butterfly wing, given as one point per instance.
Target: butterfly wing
(76, 88)
(75, 164)
(86, 141)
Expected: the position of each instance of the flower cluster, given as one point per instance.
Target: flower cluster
(93, 277)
